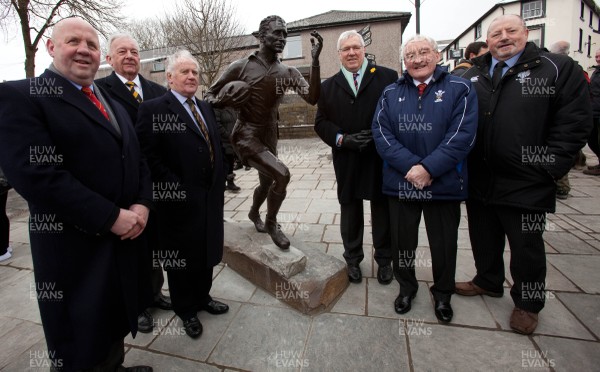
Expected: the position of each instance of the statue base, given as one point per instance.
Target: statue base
(303, 277)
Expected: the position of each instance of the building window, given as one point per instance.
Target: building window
(532, 9)
(589, 44)
(591, 18)
(158, 66)
(581, 11)
(478, 31)
(580, 49)
(293, 47)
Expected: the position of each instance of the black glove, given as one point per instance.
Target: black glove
(357, 141)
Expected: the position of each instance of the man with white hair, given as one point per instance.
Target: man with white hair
(424, 127)
(180, 139)
(126, 86)
(343, 121)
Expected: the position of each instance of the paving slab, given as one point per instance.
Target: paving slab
(581, 270)
(340, 342)
(565, 242)
(261, 338)
(585, 307)
(18, 340)
(569, 355)
(19, 300)
(353, 300)
(161, 362)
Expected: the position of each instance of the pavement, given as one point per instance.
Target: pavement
(361, 332)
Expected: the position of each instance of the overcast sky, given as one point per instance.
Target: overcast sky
(440, 19)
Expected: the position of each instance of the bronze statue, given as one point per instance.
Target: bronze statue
(255, 86)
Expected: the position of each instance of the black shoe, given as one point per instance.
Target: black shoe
(443, 311)
(163, 302)
(145, 322)
(193, 327)
(215, 307)
(385, 274)
(402, 304)
(247, 168)
(232, 187)
(354, 274)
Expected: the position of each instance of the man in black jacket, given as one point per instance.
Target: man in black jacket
(345, 111)
(475, 49)
(126, 86)
(534, 116)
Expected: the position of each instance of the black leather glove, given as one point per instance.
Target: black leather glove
(357, 141)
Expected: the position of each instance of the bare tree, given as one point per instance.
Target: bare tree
(148, 33)
(35, 17)
(208, 29)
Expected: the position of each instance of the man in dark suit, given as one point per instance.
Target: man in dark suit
(72, 153)
(180, 139)
(126, 86)
(345, 111)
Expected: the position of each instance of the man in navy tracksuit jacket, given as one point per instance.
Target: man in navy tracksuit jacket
(424, 133)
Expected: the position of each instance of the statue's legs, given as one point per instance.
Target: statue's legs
(260, 195)
(274, 176)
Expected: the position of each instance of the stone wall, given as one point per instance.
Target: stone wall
(296, 118)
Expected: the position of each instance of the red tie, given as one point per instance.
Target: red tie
(89, 94)
(421, 88)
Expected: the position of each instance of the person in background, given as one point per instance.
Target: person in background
(343, 121)
(593, 140)
(5, 249)
(534, 116)
(226, 118)
(475, 49)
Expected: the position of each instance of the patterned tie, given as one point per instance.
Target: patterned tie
(136, 95)
(497, 74)
(355, 77)
(421, 88)
(89, 94)
(203, 128)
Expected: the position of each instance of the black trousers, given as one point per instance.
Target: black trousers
(151, 277)
(593, 140)
(442, 219)
(189, 290)
(352, 226)
(4, 224)
(112, 363)
(488, 226)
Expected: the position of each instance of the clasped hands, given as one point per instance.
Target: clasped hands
(131, 222)
(419, 177)
(357, 141)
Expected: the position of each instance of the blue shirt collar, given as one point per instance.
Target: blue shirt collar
(509, 62)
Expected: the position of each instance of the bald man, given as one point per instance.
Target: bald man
(72, 153)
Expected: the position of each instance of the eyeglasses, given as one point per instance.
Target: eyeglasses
(349, 48)
(423, 53)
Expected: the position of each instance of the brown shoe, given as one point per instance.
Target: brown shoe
(592, 171)
(471, 289)
(523, 322)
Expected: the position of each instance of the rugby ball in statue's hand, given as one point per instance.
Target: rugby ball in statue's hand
(235, 93)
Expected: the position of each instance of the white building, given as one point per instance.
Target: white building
(576, 21)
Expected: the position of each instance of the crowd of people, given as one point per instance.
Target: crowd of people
(139, 171)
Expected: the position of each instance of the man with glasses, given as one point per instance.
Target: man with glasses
(343, 121)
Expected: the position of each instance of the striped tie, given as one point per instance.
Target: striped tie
(90, 95)
(136, 95)
(355, 77)
(203, 128)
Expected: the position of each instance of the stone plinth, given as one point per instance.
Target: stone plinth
(303, 277)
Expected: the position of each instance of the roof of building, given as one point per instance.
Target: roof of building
(342, 17)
